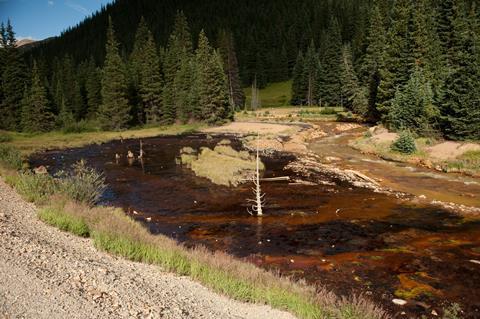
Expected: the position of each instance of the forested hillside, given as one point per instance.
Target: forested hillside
(410, 64)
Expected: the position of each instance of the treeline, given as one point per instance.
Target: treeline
(268, 34)
(417, 68)
(181, 82)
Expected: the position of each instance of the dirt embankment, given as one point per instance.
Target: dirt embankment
(46, 273)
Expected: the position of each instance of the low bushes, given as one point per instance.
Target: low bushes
(35, 188)
(82, 184)
(10, 157)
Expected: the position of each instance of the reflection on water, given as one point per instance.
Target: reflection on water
(341, 237)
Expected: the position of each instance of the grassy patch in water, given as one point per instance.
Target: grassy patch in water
(223, 165)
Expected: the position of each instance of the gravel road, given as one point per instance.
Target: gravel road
(46, 273)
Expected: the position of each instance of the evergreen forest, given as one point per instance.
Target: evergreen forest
(412, 65)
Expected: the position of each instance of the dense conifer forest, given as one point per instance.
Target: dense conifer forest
(413, 65)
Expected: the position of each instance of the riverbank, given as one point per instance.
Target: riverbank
(31, 143)
(443, 156)
(47, 273)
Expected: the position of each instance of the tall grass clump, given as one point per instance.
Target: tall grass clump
(34, 187)
(64, 221)
(10, 157)
(4, 138)
(82, 184)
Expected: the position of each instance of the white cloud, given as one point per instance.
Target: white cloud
(77, 7)
(50, 2)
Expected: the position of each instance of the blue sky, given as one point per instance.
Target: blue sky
(40, 19)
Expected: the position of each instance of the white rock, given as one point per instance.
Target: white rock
(399, 302)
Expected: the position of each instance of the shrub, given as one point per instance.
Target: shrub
(78, 127)
(10, 157)
(4, 137)
(405, 143)
(328, 111)
(35, 188)
(83, 184)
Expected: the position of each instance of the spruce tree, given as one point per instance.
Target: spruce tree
(399, 60)
(412, 108)
(427, 50)
(298, 81)
(93, 86)
(35, 115)
(226, 48)
(331, 62)
(13, 81)
(151, 82)
(187, 102)
(3, 44)
(460, 108)
(114, 112)
(374, 60)
(353, 95)
(212, 83)
(178, 52)
(310, 76)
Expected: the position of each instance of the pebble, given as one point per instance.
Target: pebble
(399, 302)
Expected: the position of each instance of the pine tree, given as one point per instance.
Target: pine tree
(93, 86)
(331, 61)
(374, 60)
(13, 81)
(114, 110)
(151, 82)
(310, 75)
(35, 115)
(187, 102)
(212, 83)
(298, 81)
(353, 95)
(427, 50)
(178, 52)
(412, 108)
(230, 65)
(3, 44)
(460, 109)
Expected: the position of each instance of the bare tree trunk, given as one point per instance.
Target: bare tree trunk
(258, 202)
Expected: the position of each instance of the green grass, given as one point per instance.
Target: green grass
(64, 221)
(10, 157)
(33, 188)
(114, 232)
(467, 162)
(274, 95)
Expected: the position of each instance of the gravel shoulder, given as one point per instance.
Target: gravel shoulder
(46, 273)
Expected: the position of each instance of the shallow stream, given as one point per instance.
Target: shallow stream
(348, 239)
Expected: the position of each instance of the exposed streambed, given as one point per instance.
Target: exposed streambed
(346, 238)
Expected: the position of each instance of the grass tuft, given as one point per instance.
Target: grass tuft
(10, 157)
(64, 221)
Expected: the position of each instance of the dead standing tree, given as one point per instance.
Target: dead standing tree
(259, 201)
